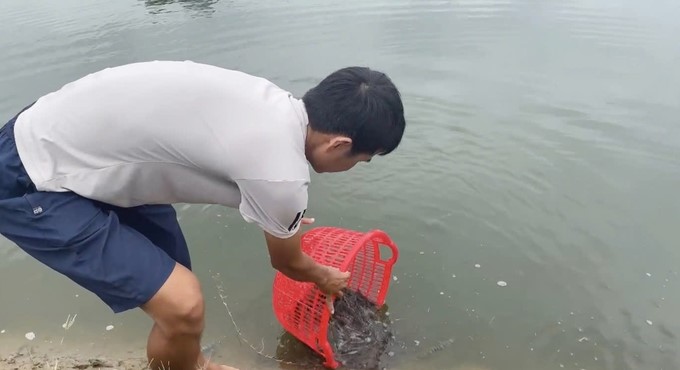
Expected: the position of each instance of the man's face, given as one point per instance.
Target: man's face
(336, 156)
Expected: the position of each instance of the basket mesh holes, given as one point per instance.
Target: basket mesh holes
(301, 307)
(364, 277)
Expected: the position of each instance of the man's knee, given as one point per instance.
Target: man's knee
(178, 307)
(187, 316)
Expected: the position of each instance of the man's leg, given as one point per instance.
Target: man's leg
(176, 333)
(175, 336)
(158, 223)
(89, 245)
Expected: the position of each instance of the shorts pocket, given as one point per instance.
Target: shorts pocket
(62, 219)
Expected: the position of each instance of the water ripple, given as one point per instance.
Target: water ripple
(542, 142)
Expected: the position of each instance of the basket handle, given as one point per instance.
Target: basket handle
(382, 238)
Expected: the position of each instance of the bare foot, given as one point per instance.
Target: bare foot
(209, 365)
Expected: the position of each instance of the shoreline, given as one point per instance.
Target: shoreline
(51, 353)
(34, 357)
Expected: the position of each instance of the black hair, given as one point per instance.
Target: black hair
(361, 104)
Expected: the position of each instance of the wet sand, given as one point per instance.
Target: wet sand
(22, 362)
(81, 353)
(34, 357)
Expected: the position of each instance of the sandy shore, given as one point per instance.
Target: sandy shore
(47, 358)
(29, 358)
(52, 354)
(75, 350)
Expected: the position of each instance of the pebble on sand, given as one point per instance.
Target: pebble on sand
(30, 335)
(502, 283)
(648, 274)
(649, 322)
(477, 265)
(109, 327)
(2, 331)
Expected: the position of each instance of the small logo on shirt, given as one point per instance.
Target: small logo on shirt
(296, 221)
(37, 210)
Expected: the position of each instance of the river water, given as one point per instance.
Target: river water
(543, 146)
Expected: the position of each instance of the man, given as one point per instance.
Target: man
(89, 173)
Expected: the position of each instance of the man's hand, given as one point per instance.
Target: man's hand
(287, 257)
(335, 281)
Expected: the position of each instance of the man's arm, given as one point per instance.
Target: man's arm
(278, 207)
(287, 257)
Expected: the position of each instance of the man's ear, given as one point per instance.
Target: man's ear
(340, 142)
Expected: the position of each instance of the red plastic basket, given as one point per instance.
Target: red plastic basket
(301, 307)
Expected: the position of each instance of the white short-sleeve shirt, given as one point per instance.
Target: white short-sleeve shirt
(166, 132)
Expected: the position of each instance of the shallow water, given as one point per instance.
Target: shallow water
(543, 144)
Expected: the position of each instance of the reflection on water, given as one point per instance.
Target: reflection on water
(543, 145)
(199, 7)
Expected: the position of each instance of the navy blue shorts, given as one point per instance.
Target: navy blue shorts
(123, 255)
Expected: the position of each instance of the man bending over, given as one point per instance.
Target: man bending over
(89, 173)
